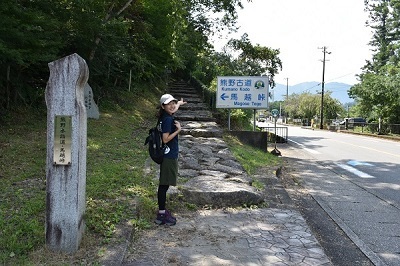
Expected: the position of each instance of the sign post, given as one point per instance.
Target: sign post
(242, 92)
(275, 113)
(66, 153)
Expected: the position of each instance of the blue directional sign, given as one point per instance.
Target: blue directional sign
(275, 112)
(242, 92)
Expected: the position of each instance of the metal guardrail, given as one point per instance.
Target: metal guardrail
(278, 134)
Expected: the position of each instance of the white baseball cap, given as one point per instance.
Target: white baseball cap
(167, 98)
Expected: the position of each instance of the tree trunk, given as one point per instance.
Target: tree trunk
(8, 87)
(106, 19)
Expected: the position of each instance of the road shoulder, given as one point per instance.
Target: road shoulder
(340, 249)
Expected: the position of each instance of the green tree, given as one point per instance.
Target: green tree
(239, 58)
(255, 60)
(29, 38)
(377, 93)
(116, 38)
(307, 106)
(379, 22)
(332, 107)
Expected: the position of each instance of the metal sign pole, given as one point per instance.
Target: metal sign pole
(275, 118)
(229, 119)
(275, 151)
(254, 120)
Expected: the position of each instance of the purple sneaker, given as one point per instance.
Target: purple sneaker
(167, 212)
(165, 218)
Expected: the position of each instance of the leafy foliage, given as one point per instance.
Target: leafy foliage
(239, 58)
(116, 184)
(122, 41)
(377, 94)
(125, 43)
(255, 60)
(307, 105)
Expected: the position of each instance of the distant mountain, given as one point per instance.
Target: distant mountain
(339, 90)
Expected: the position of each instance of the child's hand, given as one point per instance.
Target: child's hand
(178, 126)
(181, 102)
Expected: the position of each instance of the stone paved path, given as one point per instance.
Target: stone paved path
(231, 237)
(225, 236)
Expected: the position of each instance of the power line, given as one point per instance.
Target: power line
(342, 76)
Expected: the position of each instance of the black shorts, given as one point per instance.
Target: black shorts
(169, 172)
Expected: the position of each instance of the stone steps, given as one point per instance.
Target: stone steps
(194, 106)
(213, 176)
(185, 93)
(197, 120)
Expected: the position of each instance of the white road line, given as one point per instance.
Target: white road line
(354, 171)
(304, 147)
(312, 151)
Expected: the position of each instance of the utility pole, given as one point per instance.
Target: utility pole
(287, 97)
(287, 88)
(321, 126)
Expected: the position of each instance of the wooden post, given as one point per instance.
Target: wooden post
(66, 153)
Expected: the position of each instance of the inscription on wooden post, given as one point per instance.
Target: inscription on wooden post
(66, 153)
(62, 139)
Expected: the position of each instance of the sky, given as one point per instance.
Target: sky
(300, 28)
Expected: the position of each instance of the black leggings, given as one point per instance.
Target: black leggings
(162, 196)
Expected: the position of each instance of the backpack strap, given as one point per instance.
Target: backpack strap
(159, 128)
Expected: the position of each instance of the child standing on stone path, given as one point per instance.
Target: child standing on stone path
(169, 167)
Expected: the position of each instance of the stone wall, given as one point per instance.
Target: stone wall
(253, 138)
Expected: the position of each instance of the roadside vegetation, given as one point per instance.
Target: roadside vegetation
(117, 188)
(252, 159)
(115, 179)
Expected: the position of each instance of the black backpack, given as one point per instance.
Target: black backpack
(156, 146)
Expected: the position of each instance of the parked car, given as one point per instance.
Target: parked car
(357, 120)
(354, 121)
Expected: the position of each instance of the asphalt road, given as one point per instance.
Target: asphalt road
(372, 163)
(355, 180)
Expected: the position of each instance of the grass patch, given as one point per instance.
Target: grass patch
(117, 188)
(252, 159)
